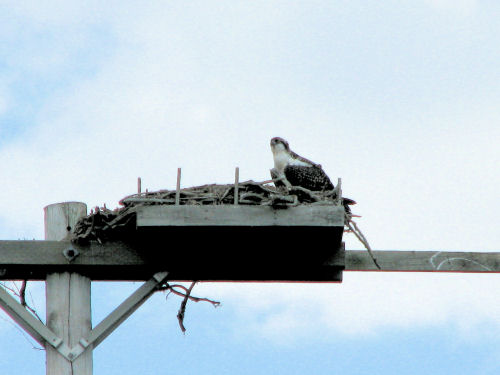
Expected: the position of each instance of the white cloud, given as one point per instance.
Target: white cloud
(365, 304)
(168, 97)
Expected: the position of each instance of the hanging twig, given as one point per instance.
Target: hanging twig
(5, 286)
(182, 309)
(171, 289)
(187, 296)
(23, 333)
(357, 232)
(21, 293)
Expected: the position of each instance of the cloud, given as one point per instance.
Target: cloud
(364, 305)
(170, 95)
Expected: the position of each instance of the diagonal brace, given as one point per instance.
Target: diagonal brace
(39, 331)
(43, 335)
(119, 315)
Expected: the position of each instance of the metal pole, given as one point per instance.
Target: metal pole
(67, 296)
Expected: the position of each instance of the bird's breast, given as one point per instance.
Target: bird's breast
(281, 160)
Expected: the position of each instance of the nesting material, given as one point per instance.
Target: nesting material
(103, 224)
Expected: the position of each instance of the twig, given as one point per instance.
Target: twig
(187, 296)
(171, 289)
(357, 232)
(8, 288)
(147, 200)
(182, 309)
(273, 180)
(23, 333)
(22, 293)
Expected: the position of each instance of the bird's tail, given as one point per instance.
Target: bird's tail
(347, 201)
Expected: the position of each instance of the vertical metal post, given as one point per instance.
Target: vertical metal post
(67, 296)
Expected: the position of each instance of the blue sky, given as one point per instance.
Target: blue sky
(398, 99)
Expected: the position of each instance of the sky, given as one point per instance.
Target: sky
(399, 99)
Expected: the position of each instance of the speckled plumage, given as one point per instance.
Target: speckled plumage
(312, 178)
(291, 169)
(298, 170)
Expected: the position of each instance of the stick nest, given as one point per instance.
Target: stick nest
(103, 224)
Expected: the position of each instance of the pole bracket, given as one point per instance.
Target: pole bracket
(45, 336)
(70, 253)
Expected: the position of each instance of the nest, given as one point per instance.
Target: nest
(103, 224)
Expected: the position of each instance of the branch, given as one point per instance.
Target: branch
(171, 289)
(187, 296)
(23, 333)
(21, 293)
(357, 232)
(5, 286)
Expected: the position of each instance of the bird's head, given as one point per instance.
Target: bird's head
(279, 144)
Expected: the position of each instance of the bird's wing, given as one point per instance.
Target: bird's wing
(312, 178)
(302, 159)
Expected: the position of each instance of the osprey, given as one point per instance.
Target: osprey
(295, 169)
(291, 169)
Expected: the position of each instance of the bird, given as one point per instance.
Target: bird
(297, 170)
(291, 169)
